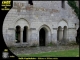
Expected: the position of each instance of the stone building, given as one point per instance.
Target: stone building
(40, 24)
(77, 3)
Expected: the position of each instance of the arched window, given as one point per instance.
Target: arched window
(25, 34)
(65, 33)
(17, 34)
(59, 33)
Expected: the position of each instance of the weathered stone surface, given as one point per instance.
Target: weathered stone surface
(48, 15)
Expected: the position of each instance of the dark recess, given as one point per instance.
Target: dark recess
(30, 2)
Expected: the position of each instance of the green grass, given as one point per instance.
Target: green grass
(65, 53)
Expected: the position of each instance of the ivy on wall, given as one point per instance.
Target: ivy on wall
(74, 6)
(77, 11)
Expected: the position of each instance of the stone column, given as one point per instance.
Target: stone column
(62, 34)
(13, 35)
(21, 36)
(54, 36)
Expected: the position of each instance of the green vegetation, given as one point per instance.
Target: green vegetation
(65, 53)
(74, 6)
(50, 44)
(77, 11)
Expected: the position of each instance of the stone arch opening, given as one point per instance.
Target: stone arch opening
(45, 31)
(59, 33)
(25, 34)
(65, 33)
(17, 34)
(22, 22)
(42, 37)
(63, 23)
(62, 34)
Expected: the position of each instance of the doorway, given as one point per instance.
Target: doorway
(42, 37)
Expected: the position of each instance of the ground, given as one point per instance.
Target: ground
(33, 50)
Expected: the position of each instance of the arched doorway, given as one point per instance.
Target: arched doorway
(25, 34)
(42, 35)
(17, 33)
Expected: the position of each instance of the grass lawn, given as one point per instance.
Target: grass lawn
(65, 53)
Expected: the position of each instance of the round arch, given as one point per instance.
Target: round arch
(46, 27)
(62, 23)
(22, 22)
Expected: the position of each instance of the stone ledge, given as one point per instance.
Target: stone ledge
(21, 44)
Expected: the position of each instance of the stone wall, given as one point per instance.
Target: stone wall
(49, 13)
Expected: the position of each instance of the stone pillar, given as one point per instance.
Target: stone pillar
(14, 37)
(69, 38)
(28, 36)
(54, 36)
(21, 36)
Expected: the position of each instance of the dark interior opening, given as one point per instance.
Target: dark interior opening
(25, 34)
(17, 34)
(30, 2)
(42, 37)
(63, 4)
